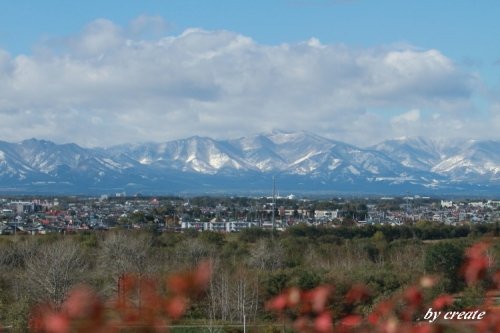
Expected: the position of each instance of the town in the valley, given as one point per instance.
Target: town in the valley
(43, 215)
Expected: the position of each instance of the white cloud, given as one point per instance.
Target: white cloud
(408, 117)
(97, 37)
(146, 26)
(110, 85)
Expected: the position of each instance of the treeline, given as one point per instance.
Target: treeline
(422, 230)
(248, 268)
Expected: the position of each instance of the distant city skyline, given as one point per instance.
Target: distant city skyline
(100, 73)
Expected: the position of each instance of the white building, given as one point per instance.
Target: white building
(227, 226)
(446, 204)
(326, 214)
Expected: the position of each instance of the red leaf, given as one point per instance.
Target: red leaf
(385, 307)
(202, 275)
(127, 283)
(477, 250)
(323, 323)
(176, 307)
(475, 269)
(82, 303)
(320, 298)
(413, 296)
(442, 301)
(179, 284)
(278, 303)
(351, 320)
(357, 293)
(477, 262)
(57, 323)
(373, 318)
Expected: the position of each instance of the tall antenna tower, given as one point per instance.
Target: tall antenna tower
(274, 204)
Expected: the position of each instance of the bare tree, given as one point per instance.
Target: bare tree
(233, 294)
(191, 251)
(53, 270)
(245, 290)
(126, 253)
(267, 255)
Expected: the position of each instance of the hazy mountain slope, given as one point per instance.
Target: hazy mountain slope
(300, 160)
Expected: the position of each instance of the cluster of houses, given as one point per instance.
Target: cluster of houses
(45, 216)
(74, 214)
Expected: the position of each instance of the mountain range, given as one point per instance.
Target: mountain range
(299, 161)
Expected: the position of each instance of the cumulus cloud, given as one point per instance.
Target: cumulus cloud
(110, 84)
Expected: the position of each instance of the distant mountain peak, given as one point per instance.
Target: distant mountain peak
(301, 159)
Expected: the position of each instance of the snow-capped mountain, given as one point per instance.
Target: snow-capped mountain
(300, 160)
(459, 160)
(418, 153)
(297, 153)
(476, 160)
(195, 154)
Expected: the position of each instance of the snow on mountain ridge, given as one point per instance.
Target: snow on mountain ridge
(289, 154)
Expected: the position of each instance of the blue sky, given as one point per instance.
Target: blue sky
(459, 28)
(445, 57)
